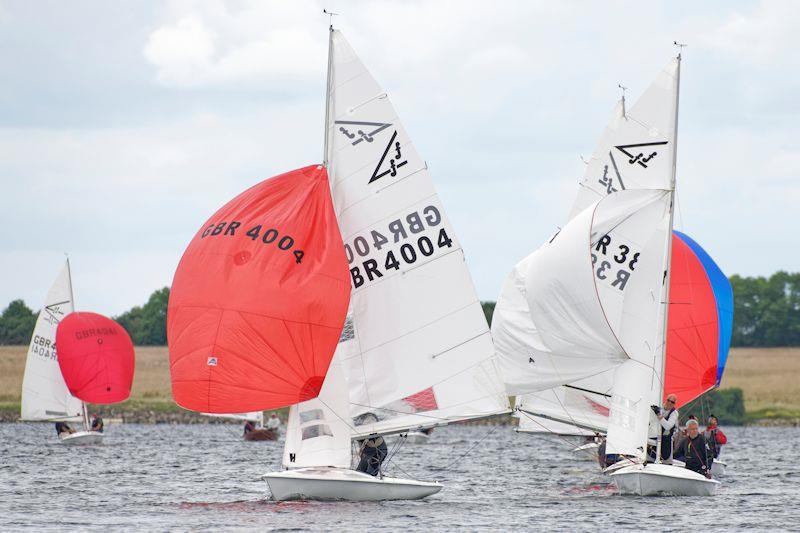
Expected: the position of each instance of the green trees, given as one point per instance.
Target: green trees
(147, 325)
(766, 310)
(16, 323)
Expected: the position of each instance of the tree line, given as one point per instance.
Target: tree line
(766, 313)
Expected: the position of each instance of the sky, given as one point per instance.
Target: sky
(124, 125)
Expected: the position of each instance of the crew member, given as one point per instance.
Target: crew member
(694, 450)
(714, 436)
(668, 420)
(274, 423)
(62, 428)
(373, 452)
(249, 426)
(97, 423)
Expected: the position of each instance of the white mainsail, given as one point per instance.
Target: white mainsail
(44, 393)
(421, 352)
(636, 150)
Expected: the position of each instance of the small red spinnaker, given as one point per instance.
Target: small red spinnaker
(96, 358)
(259, 299)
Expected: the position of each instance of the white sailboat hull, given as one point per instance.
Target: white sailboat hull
(417, 437)
(328, 483)
(662, 480)
(718, 468)
(82, 438)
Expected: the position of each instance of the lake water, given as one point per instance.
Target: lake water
(158, 477)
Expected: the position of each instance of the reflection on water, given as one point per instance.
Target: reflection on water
(205, 477)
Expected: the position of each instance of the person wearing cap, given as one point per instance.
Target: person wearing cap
(714, 436)
(694, 450)
(97, 423)
(373, 452)
(668, 422)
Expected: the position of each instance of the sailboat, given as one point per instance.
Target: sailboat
(45, 397)
(594, 298)
(257, 417)
(412, 347)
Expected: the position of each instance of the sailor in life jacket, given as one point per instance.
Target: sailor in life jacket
(714, 436)
(274, 423)
(667, 422)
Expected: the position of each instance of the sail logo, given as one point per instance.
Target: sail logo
(53, 312)
(358, 132)
(212, 361)
(608, 181)
(605, 259)
(394, 151)
(636, 152)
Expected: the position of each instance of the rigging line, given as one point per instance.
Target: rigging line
(588, 390)
(450, 465)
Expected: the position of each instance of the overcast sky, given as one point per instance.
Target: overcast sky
(124, 125)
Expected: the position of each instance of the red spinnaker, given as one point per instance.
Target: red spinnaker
(259, 299)
(96, 358)
(692, 327)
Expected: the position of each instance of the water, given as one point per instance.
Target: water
(157, 477)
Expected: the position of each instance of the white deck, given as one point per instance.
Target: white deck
(662, 480)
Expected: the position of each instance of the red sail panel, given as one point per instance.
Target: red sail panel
(259, 299)
(692, 328)
(96, 358)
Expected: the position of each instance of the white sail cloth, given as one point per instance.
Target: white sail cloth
(318, 432)
(421, 345)
(592, 295)
(255, 416)
(636, 150)
(44, 393)
(581, 408)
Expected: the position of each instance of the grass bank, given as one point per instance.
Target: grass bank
(767, 376)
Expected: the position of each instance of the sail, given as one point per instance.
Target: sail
(422, 354)
(700, 321)
(589, 294)
(44, 394)
(318, 431)
(96, 358)
(636, 149)
(580, 408)
(259, 298)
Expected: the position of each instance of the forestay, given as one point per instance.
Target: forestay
(421, 353)
(44, 392)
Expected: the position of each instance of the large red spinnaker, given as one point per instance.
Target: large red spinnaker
(259, 299)
(692, 327)
(96, 358)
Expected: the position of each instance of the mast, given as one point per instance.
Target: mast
(665, 289)
(84, 410)
(328, 94)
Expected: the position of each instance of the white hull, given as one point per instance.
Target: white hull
(417, 437)
(80, 438)
(587, 451)
(662, 480)
(328, 483)
(718, 468)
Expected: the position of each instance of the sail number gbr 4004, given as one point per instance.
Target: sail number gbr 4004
(406, 240)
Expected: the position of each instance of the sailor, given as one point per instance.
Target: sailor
(62, 428)
(714, 436)
(97, 423)
(694, 450)
(373, 452)
(274, 423)
(668, 420)
(605, 459)
(249, 426)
